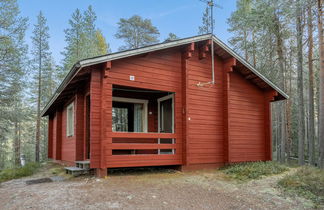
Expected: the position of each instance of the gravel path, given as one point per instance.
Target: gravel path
(159, 190)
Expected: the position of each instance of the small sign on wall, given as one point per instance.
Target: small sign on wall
(132, 78)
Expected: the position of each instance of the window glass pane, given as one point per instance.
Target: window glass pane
(128, 117)
(166, 151)
(138, 117)
(120, 119)
(70, 121)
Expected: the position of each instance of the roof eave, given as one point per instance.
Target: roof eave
(249, 66)
(76, 68)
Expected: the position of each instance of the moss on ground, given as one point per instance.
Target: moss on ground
(15, 173)
(57, 171)
(307, 182)
(253, 170)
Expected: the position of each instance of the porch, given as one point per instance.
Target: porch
(144, 129)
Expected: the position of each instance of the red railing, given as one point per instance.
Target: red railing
(144, 149)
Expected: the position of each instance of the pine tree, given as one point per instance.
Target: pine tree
(205, 28)
(171, 37)
(311, 150)
(278, 31)
(41, 55)
(300, 80)
(83, 39)
(74, 38)
(13, 52)
(136, 32)
(244, 38)
(89, 34)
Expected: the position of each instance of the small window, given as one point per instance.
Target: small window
(70, 120)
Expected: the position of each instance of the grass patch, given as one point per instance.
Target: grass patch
(253, 170)
(15, 173)
(57, 171)
(307, 182)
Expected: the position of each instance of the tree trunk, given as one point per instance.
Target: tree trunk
(245, 46)
(321, 90)
(311, 139)
(17, 143)
(37, 146)
(282, 109)
(254, 53)
(300, 88)
(288, 113)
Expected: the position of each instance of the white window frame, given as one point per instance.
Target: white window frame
(70, 133)
(159, 116)
(136, 101)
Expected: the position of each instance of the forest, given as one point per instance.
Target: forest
(283, 39)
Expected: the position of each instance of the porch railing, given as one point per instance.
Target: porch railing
(144, 149)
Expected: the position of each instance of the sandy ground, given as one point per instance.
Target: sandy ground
(148, 190)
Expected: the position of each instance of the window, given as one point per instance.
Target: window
(70, 120)
(129, 115)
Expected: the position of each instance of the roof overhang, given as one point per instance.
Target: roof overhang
(128, 53)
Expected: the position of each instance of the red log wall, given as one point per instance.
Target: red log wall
(214, 124)
(50, 136)
(205, 131)
(68, 142)
(247, 121)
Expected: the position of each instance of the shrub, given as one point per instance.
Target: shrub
(307, 182)
(14, 173)
(253, 170)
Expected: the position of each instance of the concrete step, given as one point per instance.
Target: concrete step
(83, 161)
(83, 164)
(76, 171)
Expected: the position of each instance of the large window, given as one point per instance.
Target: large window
(129, 115)
(70, 120)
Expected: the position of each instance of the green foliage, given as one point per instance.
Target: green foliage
(103, 47)
(15, 173)
(307, 182)
(171, 37)
(83, 39)
(205, 28)
(253, 170)
(136, 32)
(13, 62)
(43, 83)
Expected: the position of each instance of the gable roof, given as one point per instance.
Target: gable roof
(165, 45)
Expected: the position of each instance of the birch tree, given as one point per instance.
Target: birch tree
(321, 88)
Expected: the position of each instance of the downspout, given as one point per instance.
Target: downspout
(211, 3)
(212, 82)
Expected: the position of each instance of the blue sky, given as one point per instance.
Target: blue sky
(181, 17)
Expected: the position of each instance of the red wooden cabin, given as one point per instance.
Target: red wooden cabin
(156, 106)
